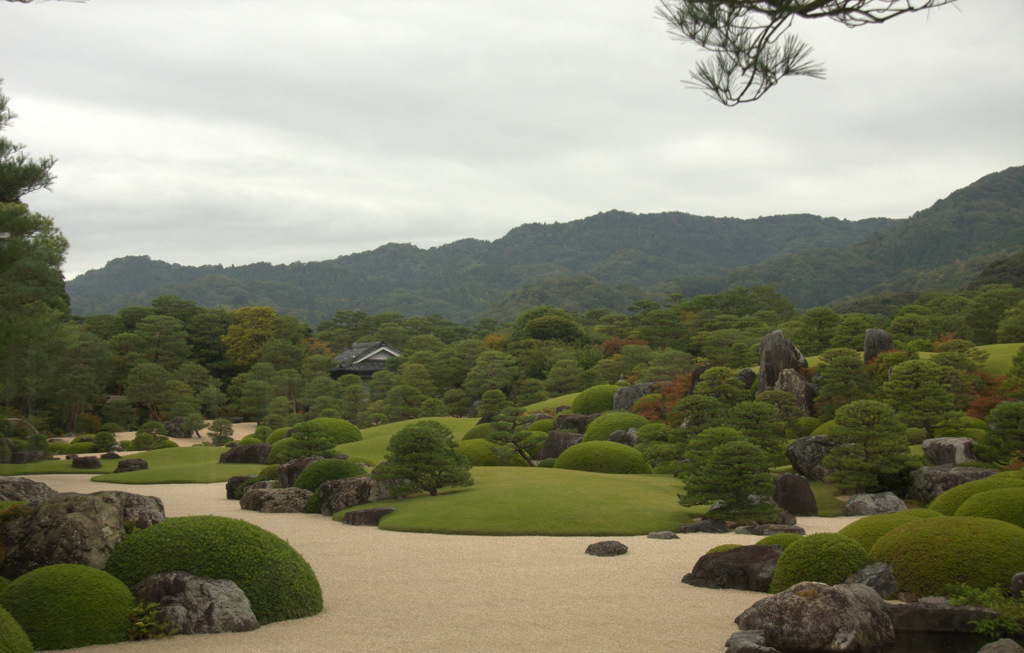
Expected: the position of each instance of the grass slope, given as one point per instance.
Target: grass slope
(375, 439)
(181, 465)
(539, 501)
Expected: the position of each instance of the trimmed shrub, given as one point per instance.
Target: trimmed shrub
(249, 440)
(325, 470)
(823, 428)
(547, 462)
(543, 425)
(606, 424)
(335, 429)
(278, 435)
(596, 399)
(12, 636)
(782, 539)
(80, 447)
(805, 426)
(867, 530)
(4, 582)
(603, 457)
(949, 501)
(67, 606)
(278, 582)
(58, 448)
(822, 557)
(1005, 505)
(481, 453)
(478, 432)
(929, 555)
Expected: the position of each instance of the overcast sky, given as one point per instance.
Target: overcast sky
(238, 131)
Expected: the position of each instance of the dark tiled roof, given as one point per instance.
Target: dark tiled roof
(351, 360)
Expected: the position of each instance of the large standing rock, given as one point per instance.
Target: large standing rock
(875, 342)
(557, 442)
(347, 492)
(574, 422)
(234, 483)
(1017, 585)
(74, 528)
(628, 438)
(878, 576)
(926, 483)
(818, 617)
(194, 605)
(933, 614)
(131, 465)
(877, 503)
(794, 383)
(251, 454)
(806, 454)
(949, 451)
(746, 568)
(291, 499)
(626, 396)
(16, 488)
(777, 353)
(289, 471)
(793, 494)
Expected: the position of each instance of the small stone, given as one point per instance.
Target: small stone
(705, 526)
(607, 548)
(131, 465)
(1017, 585)
(87, 462)
(663, 535)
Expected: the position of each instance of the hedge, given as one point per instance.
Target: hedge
(604, 457)
(822, 557)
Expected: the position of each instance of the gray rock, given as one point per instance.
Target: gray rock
(949, 451)
(745, 568)
(875, 342)
(748, 641)
(347, 492)
(747, 377)
(764, 530)
(877, 503)
(777, 353)
(291, 499)
(626, 396)
(926, 483)
(110, 455)
(934, 614)
(366, 516)
(628, 438)
(573, 422)
(607, 548)
(793, 494)
(819, 617)
(806, 454)
(705, 526)
(261, 485)
(131, 465)
(663, 535)
(1002, 646)
(794, 383)
(16, 488)
(289, 471)
(557, 442)
(74, 528)
(250, 454)
(878, 576)
(86, 462)
(234, 483)
(194, 605)
(1017, 585)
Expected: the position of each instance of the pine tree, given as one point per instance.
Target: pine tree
(870, 440)
(736, 474)
(424, 454)
(916, 392)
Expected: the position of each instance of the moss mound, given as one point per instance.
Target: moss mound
(543, 425)
(1006, 504)
(823, 428)
(608, 423)
(481, 453)
(605, 457)
(67, 606)
(478, 432)
(928, 555)
(595, 399)
(335, 429)
(12, 636)
(822, 557)
(278, 435)
(781, 539)
(278, 582)
(867, 530)
(949, 501)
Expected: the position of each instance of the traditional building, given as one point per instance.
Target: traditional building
(363, 359)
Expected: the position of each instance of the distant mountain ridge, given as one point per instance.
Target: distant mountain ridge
(613, 257)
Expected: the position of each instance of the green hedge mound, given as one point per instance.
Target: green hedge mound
(608, 423)
(1005, 505)
(928, 555)
(335, 429)
(278, 582)
(603, 457)
(822, 557)
(478, 432)
(949, 501)
(277, 435)
(781, 539)
(481, 453)
(12, 636)
(595, 399)
(67, 606)
(867, 530)
(543, 425)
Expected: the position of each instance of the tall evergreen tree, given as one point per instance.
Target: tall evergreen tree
(870, 440)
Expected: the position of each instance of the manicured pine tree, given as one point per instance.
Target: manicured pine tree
(424, 454)
(736, 474)
(916, 392)
(761, 423)
(511, 431)
(870, 440)
(843, 379)
(1005, 440)
(699, 447)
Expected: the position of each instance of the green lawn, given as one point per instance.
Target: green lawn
(541, 501)
(375, 439)
(999, 356)
(549, 405)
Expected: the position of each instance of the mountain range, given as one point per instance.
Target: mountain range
(608, 260)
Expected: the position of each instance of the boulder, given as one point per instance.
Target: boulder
(705, 526)
(818, 617)
(747, 377)
(86, 462)
(16, 488)
(291, 499)
(1017, 585)
(745, 568)
(1003, 645)
(574, 422)
(261, 485)
(557, 442)
(234, 482)
(748, 641)
(795, 384)
(949, 451)
(875, 342)
(933, 614)
(878, 576)
(926, 483)
(110, 455)
(877, 503)
(347, 492)
(806, 454)
(26, 457)
(194, 605)
(289, 471)
(366, 516)
(663, 535)
(250, 454)
(777, 353)
(793, 494)
(628, 438)
(626, 396)
(74, 528)
(764, 530)
(607, 548)
(131, 465)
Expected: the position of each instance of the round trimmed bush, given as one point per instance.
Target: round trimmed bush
(12, 636)
(67, 606)
(948, 502)
(58, 448)
(278, 582)
(606, 424)
(867, 530)
(604, 457)
(823, 428)
(481, 454)
(543, 425)
(1005, 505)
(805, 426)
(547, 462)
(781, 539)
(325, 470)
(928, 555)
(278, 434)
(80, 447)
(250, 440)
(335, 429)
(479, 432)
(822, 557)
(595, 399)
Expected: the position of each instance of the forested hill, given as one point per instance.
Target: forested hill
(607, 260)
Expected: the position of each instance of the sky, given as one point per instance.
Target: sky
(237, 131)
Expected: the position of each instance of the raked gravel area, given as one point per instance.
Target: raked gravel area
(386, 591)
